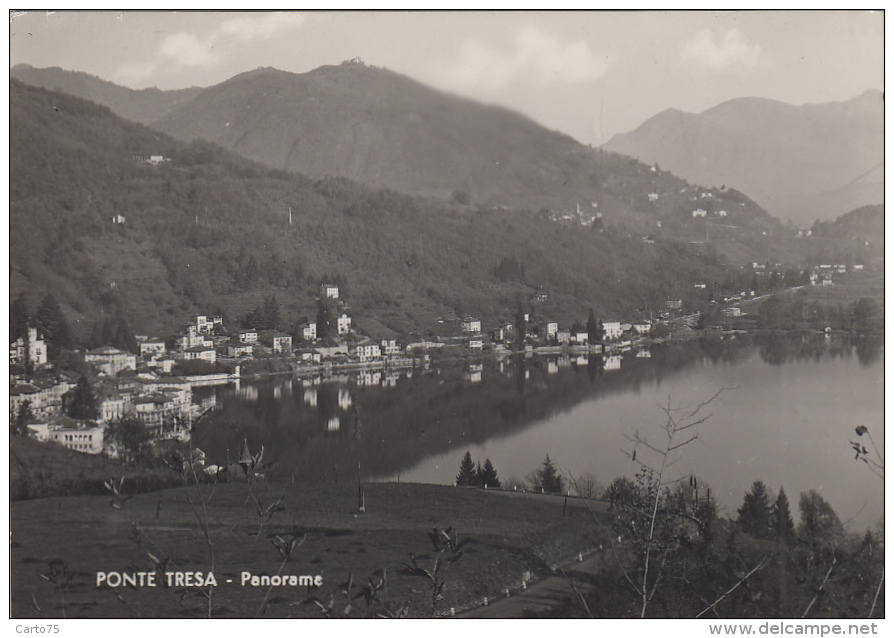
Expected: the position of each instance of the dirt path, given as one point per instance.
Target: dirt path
(546, 594)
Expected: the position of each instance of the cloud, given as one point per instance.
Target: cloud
(718, 53)
(184, 49)
(269, 24)
(535, 56)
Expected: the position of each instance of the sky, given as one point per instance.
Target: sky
(587, 74)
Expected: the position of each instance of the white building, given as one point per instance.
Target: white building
(74, 435)
(329, 291)
(611, 330)
(343, 324)
(472, 325)
(34, 349)
(309, 332)
(699, 212)
(248, 336)
(111, 360)
(152, 347)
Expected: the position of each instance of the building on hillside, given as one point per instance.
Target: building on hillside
(563, 336)
(476, 344)
(550, 329)
(248, 336)
(329, 291)
(498, 335)
(643, 327)
(674, 304)
(151, 348)
(343, 323)
(31, 349)
(278, 342)
(111, 360)
(734, 311)
(199, 353)
(472, 325)
(580, 338)
(309, 332)
(236, 349)
(858, 267)
(699, 212)
(206, 325)
(118, 219)
(69, 433)
(611, 330)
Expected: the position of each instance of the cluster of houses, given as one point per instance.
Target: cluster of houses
(584, 218)
(549, 333)
(163, 403)
(822, 276)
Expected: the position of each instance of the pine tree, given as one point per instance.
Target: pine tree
(82, 403)
(594, 334)
(521, 328)
(270, 314)
(325, 321)
(550, 480)
(819, 522)
(50, 321)
(754, 515)
(19, 318)
(488, 475)
(781, 518)
(466, 476)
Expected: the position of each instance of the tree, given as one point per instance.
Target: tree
(270, 314)
(594, 328)
(819, 522)
(24, 415)
(325, 321)
(467, 474)
(487, 476)
(81, 403)
(754, 515)
(550, 480)
(50, 321)
(521, 328)
(781, 517)
(866, 316)
(131, 435)
(622, 491)
(19, 318)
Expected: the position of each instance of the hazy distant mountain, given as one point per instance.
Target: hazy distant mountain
(143, 106)
(801, 163)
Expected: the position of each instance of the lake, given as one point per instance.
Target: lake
(786, 415)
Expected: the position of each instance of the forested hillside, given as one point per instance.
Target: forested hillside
(383, 129)
(210, 232)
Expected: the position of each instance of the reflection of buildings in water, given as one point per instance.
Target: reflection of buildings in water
(390, 380)
(344, 399)
(552, 367)
(369, 378)
(310, 397)
(564, 362)
(247, 393)
(613, 362)
(474, 377)
(409, 374)
(310, 382)
(209, 401)
(643, 353)
(582, 360)
(334, 424)
(284, 389)
(527, 374)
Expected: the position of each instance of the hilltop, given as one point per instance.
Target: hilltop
(385, 130)
(802, 163)
(209, 231)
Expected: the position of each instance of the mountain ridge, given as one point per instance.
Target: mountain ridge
(833, 146)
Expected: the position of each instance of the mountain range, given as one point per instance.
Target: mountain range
(494, 207)
(211, 232)
(801, 163)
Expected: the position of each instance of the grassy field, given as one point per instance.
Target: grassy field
(509, 534)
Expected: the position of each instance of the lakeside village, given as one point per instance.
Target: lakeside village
(152, 388)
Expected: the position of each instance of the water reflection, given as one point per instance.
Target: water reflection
(309, 426)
